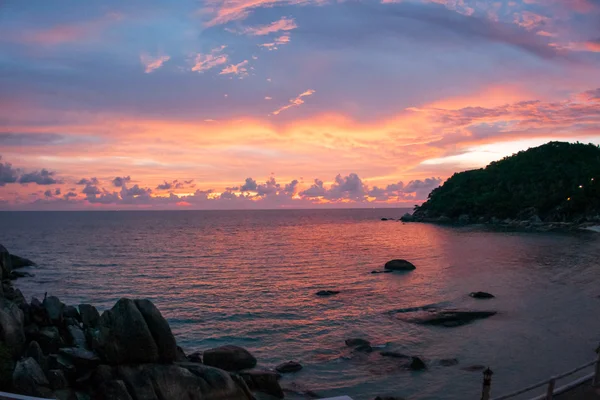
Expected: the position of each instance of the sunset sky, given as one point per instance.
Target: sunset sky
(219, 104)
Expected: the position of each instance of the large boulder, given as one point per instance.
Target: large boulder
(89, 315)
(123, 336)
(399, 265)
(54, 308)
(49, 339)
(71, 312)
(29, 379)
(35, 351)
(229, 358)
(263, 381)
(11, 326)
(80, 358)
(174, 382)
(115, 390)
(77, 337)
(160, 330)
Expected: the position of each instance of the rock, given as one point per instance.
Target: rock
(444, 220)
(474, 368)
(388, 398)
(495, 221)
(19, 274)
(399, 265)
(288, 367)
(364, 348)
(446, 318)
(11, 326)
(384, 219)
(29, 379)
(416, 364)
(114, 390)
(7, 365)
(82, 396)
(196, 382)
(181, 357)
(80, 358)
(15, 295)
(71, 312)
(138, 381)
(64, 394)
(35, 351)
(393, 354)
(481, 295)
(103, 373)
(263, 381)
(38, 312)
(355, 342)
(77, 337)
(57, 379)
(5, 265)
(49, 339)
(407, 218)
(195, 357)
(482, 220)
(160, 330)
(229, 358)
(448, 362)
(89, 315)
(385, 271)
(20, 262)
(464, 219)
(54, 308)
(71, 322)
(327, 292)
(124, 337)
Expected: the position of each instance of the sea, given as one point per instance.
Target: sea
(250, 278)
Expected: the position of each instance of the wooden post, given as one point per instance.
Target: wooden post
(550, 392)
(487, 384)
(596, 381)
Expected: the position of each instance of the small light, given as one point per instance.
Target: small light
(592, 178)
(568, 198)
(580, 186)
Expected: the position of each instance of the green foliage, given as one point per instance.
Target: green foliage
(560, 180)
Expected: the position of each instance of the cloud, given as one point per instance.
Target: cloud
(297, 101)
(285, 39)
(315, 190)
(85, 181)
(69, 195)
(91, 190)
(236, 69)
(204, 62)
(48, 193)
(152, 63)
(121, 181)
(57, 191)
(530, 20)
(165, 186)
(8, 174)
(284, 24)
(250, 185)
(42, 177)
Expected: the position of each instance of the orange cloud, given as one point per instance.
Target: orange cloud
(236, 69)
(152, 63)
(297, 101)
(284, 24)
(204, 62)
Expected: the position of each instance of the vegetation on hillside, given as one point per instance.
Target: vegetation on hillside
(559, 181)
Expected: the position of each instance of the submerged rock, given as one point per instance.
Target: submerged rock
(229, 358)
(355, 342)
(288, 367)
(393, 354)
(446, 318)
(481, 295)
(327, 292)
(416, 364)
(20, 262)
(399, 265)
(448, 362)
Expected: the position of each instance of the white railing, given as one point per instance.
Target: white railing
(550, 383)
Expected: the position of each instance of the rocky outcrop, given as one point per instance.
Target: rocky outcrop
(11, 326)
(134, 332)
(20, 262)
(481, 295)
(445, 318)
(288, 367)
(399, 265)
(327, 292)
(263, 381)
(229, 358)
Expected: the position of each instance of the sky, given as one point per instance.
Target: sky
(235, 104)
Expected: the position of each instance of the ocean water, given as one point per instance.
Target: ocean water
(249, 278)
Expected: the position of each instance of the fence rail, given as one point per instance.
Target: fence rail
(550, 383)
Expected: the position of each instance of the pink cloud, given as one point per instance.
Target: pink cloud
(297, 101)
(284, 24)
(204, 62)
(152, 63)
(236, 69)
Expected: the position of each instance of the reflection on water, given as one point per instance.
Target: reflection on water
(250, 277)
